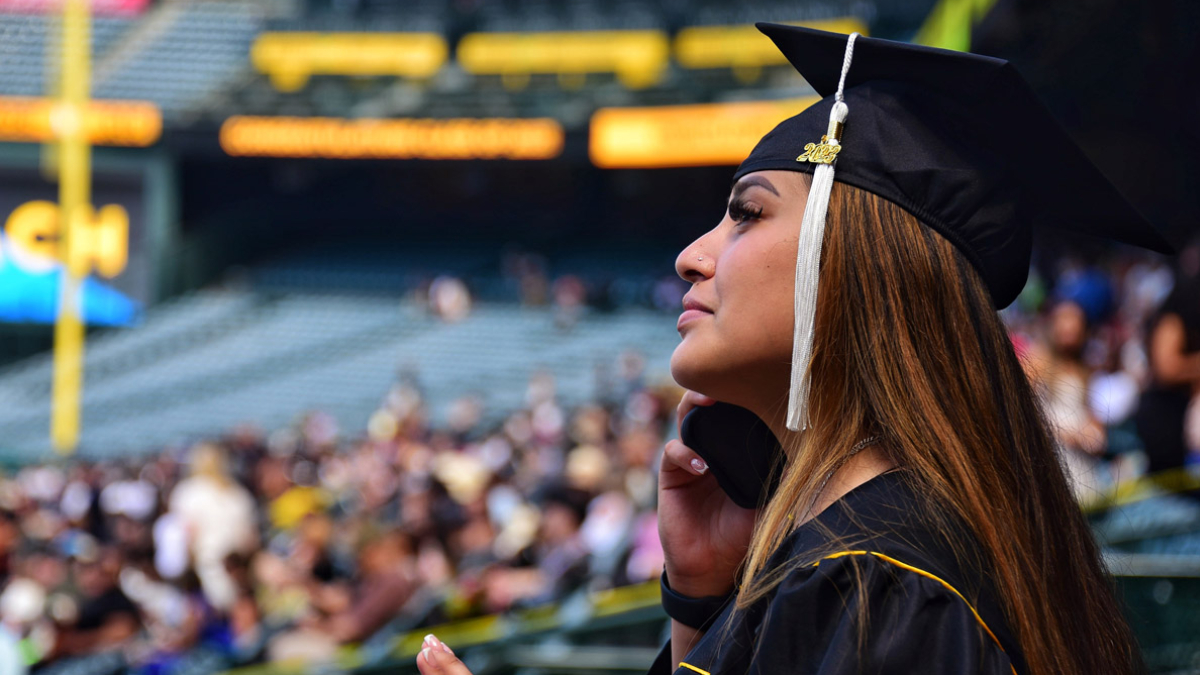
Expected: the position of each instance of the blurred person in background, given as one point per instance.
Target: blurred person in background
(1173, 349)
(1062, 379)
(218, 516)
(387, 579)
(12, 662)
(10, 539)
(1113, 394)
(555, 562)
(570, 298)
(106, 618)
(449, 298)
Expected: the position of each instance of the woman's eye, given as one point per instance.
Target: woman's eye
(741, 212)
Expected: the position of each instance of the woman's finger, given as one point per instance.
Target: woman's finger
(435, 661)
(677, 456)
(436, 658)
(423, 664)
(431, 640)
(691, 399)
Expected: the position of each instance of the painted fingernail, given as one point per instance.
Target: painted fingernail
(425, 654)
(699, 465)
(434, 656)
(434, 641)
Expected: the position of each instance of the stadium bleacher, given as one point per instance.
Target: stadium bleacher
(182, 56)
(266, 358)
(25, 38)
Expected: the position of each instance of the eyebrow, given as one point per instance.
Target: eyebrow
(744, 184)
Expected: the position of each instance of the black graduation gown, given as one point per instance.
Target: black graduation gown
(925, 612)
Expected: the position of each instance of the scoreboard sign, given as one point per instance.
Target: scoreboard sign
(110, 237)
(35, 229)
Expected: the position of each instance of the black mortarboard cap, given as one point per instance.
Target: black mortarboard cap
(958, 140)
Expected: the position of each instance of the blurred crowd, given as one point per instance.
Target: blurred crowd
(1113, 351)
(289, 544)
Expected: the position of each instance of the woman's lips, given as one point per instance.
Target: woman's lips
(690, 315)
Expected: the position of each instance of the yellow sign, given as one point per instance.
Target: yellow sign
(101, 237)
(743, 46)
(37, 120)
(291, 58)
(638, 57)
(335, 138)
(710, 134)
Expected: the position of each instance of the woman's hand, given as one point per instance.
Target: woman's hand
(704, 534)
(438, 659)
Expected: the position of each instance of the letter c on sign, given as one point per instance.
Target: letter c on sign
(32, 229)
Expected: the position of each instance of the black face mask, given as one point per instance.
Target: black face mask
(741, 452)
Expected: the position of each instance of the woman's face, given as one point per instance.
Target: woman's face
(738, 346)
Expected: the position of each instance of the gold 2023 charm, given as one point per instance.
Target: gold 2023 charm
(820, 153)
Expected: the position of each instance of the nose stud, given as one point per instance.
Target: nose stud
(701, 258)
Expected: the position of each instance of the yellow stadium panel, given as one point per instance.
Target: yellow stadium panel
(637, 57)
(26, 119)
(743, 46)
(711, 134)
(335, 138)
(289, 59)
(950, 23)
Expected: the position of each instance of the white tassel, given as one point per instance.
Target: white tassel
(808, 262)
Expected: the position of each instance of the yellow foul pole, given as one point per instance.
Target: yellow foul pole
(74, 195)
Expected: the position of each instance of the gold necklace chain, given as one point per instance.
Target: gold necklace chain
(859, 446)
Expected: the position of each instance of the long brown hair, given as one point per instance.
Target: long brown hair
(908, 345)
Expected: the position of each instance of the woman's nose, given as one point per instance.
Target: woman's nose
(692, 264)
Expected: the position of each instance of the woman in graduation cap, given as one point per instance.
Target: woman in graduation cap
(921, 521)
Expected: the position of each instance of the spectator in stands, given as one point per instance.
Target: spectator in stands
(10, 538)
(387, 580)
(528, 272)
(106, 617)
(218, 516)
(22, 608)
(12, 662)
(570, 297)
(449, 298)
(558, 554)
(1173, 347)
(1058, 371)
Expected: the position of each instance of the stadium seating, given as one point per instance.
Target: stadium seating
(24, 40)
(178, 57)
(202, 364)
(184, 55)
(1163, 524)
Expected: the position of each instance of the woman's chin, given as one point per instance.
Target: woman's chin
(710, 371)
(695, 372)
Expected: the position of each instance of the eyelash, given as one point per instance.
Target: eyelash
(740, 212)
